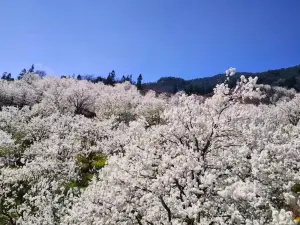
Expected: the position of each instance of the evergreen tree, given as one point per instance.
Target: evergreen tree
(88, 77)
(23, 72)
(127, 78)
(79, 77)
(31, 69)
(123, 79)
(99, 79)
(41, 73)
(4, 76)
(110, 80)
(7, 76)
(139, 82)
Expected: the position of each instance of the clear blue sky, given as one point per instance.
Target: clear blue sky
(182, 38)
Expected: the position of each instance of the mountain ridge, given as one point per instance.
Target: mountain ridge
(285, 77)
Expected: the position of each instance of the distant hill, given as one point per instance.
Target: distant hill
(285, 77)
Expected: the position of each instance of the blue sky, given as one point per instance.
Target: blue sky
(182, 38)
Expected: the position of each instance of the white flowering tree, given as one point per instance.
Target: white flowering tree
(147, 159)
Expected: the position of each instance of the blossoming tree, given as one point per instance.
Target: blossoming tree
(232, 158)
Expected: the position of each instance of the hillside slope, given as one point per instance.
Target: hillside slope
(285, 77)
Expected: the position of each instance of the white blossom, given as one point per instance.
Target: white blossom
(233, 158)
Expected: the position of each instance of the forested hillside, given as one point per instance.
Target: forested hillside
(74, 152)
(285, 77)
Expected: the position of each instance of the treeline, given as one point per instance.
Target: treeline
(8, 76)
(285, 77)
(111, 79)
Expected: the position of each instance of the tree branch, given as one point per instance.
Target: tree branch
(166, 208)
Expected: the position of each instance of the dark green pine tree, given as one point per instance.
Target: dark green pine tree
(126, 78)
(23, 72)
(139, 82)
(41, 73)
(8, 77)
(110, 80)
(129, 78)
(99, 79)
(31, 69)
(123, 79)
(79, 77)
(4, 76)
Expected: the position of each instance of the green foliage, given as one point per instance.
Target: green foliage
(21, 140)
(21, 192)
(87, 163)
(7, 216)
(285, 77)
(139, 82)
(3, 152)
(8, 219)
(80, 183)
(127, 78)
(99, 79)
(172, 81)
(41, 73)
(98, 164)
(4, 220)
(153, 117)
(88, 166)
(70, 185)
(7, 76)
(125, 117)
(194, 89)
(22, 73)
(31, 69)
(18, 137)
(175, 89)
(296, 188)
(110, 80)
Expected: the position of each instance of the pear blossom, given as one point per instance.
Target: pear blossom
(233, 158)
